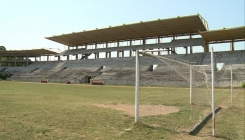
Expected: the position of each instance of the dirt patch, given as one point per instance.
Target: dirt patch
(145, 110)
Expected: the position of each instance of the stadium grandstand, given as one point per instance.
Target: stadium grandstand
(108, 54)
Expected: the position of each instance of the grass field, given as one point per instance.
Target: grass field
(57, 111)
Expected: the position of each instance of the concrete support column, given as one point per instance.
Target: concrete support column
(58, 58)
(106, 44)
(191, 51)
(144, 41)
(173, 48)
(122, 53)
(108, 54)
(206, 47)
(76, 54)
(118, 53)
(118, 44)
(27, 62)
(95, 46)
(232, 45)
(47, 57)
(86, 46)
(158, 39)
(15, 61)
(67, 57)
(130, 42)
(98, 55)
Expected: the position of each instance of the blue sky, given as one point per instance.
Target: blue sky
(24, 24)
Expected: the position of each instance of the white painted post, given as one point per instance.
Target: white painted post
(190, 85)
(213, 110)
(231, 86)
(137, 87)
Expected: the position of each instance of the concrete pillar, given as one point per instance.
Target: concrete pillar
(58, 58)
(27, 62)
(67, 57)
(130, 42)
(76, 56)
(118, 44)
(95, 46)
(191, 51)
(173, 48)
(47, 57)
(86, 46)
(1, 60)
(158, 39)
(186, 50)
(206, 47)
(15, 61)
(106, 44)
(232, 46)
(144, 41)
(122, 53)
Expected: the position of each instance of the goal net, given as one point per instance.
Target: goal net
(181, 106)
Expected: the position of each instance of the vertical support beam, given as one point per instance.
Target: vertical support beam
(122, 53)
(232, 46)
(158, 39)
(191, 51)
(106, 45)
(27, 62)
(76, 54)
(173, 48)
(213, 110)
(206, 47)
(144, 41)
(67, 57)
(190, 84)
(137, 86)
(86, 46)
(15, 61)
(47, 57)
(231, 86)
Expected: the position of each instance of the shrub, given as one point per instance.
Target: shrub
(243, 85)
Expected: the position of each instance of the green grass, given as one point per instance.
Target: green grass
(56, 111)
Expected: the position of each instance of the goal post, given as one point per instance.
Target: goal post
(199, 81)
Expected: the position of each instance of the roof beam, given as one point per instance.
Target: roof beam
(184, 25)
(171, 32)
(148, 28)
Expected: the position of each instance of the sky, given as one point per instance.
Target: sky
(24, 24)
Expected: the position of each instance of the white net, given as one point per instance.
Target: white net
(183, 105)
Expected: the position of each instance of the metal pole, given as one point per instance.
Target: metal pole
(213, 111)
(190, 85)
(231, 87)
(137, 87)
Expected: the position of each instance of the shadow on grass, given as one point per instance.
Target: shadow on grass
(199, 127)
(142, 125)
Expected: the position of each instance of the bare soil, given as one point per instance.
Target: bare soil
(145, 110)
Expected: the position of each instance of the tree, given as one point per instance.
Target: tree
(2, 48)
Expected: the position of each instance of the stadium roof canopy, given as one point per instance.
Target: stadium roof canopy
(224, 35)
(29, 53)
(178, 26)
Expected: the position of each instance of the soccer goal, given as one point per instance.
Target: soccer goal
(163, 109)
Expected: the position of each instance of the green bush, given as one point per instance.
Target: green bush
(243, 85)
